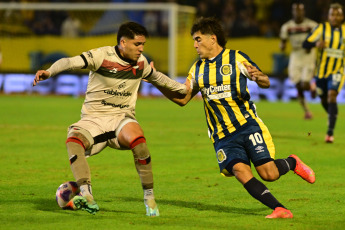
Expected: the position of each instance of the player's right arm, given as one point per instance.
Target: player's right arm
(314, 38)
(63, 64)
(283, 37)
(90, 60)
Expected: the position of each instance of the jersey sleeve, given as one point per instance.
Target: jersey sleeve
(313, 37)
(93, 58)
(191, 73)
(147, 69)
(244, 58)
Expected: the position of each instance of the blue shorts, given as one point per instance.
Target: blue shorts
(332, 82)
(252, 143)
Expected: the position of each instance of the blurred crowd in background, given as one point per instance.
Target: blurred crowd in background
(240, 18)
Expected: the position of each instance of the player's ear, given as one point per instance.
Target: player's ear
(214, 39)
(122, 41)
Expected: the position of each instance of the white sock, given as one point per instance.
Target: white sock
(86, 191)
(148, 194)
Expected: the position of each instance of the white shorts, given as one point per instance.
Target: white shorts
(104, 130)
(301, 68)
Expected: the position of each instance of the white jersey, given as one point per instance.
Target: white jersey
(301, 63)
(297, 33)
(113, 81)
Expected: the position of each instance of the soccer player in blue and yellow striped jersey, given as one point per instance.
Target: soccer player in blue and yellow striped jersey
(238, 134)
(329, 38)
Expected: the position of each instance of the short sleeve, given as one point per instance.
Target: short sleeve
(93, 58)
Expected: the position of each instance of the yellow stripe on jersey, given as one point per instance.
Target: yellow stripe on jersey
(341, 83)
(330, 60)
(267, 137)
(225, 92)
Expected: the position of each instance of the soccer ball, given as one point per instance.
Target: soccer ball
(66, 192)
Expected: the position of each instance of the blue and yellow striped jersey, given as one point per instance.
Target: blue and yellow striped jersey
(330, 60)
(225, 93)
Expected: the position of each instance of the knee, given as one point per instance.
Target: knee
(78, 137)
(269, 175)
(332, 96)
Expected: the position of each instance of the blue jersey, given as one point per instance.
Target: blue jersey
(225, 93)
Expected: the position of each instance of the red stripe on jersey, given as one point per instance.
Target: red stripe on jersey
(111, 65)
(141, 65)
(299, 30)
(114, 65)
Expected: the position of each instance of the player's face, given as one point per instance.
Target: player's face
(132, 48)
(203, 44)
(335, 16)
(298, 12)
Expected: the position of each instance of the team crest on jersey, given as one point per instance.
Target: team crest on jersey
(226, 69)
(221, 156)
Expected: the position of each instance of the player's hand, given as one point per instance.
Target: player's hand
(320, 44)
(256, 75)
(40, 76)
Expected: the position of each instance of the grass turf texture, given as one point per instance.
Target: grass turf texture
(189, 190)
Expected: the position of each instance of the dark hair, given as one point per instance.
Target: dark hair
(130, 30)
(336, 5)
(210, 26)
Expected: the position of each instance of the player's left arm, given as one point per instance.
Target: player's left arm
(256, 75)
(314, 38)
(250, 70)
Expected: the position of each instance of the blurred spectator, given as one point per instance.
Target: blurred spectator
(239, 17)
(151, 19)
(71, 27)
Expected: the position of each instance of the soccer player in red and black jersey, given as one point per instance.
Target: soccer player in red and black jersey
(108, 112)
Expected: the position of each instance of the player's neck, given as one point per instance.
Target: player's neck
(215, 52)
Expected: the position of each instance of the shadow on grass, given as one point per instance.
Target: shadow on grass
(49, 205)
(203, 207)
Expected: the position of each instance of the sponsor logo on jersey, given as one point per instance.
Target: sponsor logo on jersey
(226, 70)
(259, 149)
(89, 54)
(114, 70)
(114, 105)
(217, 92)
(110, 53)
(336, 53)
(122, 85)
(221, 156)
(118, 93)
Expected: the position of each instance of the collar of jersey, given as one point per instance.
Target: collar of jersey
(219, 56)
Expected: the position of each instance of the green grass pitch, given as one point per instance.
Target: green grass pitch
(189, 190)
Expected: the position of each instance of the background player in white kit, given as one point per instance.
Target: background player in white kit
(301, 63)
(108, 112)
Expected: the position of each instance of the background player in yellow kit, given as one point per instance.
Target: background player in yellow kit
(328, 37)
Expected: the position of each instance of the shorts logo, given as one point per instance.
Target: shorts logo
(226, 69)
(259, 149)
(221, 156)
